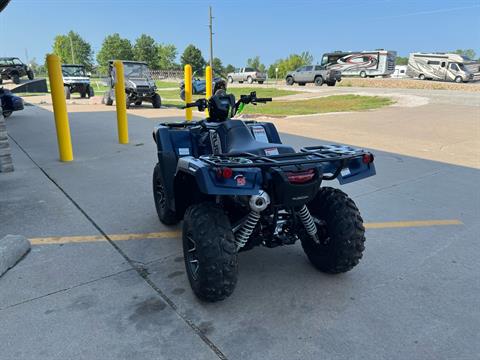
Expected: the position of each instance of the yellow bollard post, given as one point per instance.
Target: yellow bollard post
(188, 91)
(208, 84)
(59, 108)
(121, 103)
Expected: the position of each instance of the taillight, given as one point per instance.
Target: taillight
(224, 173)
(368, 158)
(300, 177)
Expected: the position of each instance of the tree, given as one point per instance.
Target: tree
(290, 63)
(229, 68)
(145, 49)
(114, 48)
(72, 44)
(470, 53)
(217, 66)
(166, 56)
(401, 60)
(256, 64)
(193, 56)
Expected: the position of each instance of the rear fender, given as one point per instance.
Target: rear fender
(244, 181)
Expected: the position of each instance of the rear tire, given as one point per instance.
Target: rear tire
(90, 92)
(67, 92)
(166, 216)
(16, 79)
(138, 103)
(156, 101)
(363, 74)
(30, 75)
(7, 114)
(230, 79)
(318, 81)
(331, 83)
(421, 77)
(209, 251)
(458, 80)
(83, 94)
(182, 95)
(342, 235)
(250, 80)
(289, 81)
(260, 82)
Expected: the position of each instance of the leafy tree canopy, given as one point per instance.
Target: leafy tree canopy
(193, 56)
(73, 44)
(114, 48)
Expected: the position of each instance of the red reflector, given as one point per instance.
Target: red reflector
(227, 173)
(367, 158)
(300, 177)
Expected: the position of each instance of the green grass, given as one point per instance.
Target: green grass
(166, 84)
(334, 103)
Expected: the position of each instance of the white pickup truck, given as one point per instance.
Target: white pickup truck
(246, 74)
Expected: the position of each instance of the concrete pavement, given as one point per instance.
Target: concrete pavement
(413, 296)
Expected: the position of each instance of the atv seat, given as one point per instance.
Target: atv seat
(239, 139)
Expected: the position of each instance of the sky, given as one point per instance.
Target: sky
(271, 29)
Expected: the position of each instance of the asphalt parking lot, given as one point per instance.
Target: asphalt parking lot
(105, 279)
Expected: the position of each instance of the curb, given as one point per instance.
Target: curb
(12, 249)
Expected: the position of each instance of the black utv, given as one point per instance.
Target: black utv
(139, 85)
(12, 68)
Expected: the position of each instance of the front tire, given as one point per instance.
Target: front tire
(7, 114)
(30, 75)
(340, 231)
(363, 74)
(209, 251)
(250, 80)
(165, 214)
(156, 101)
(16, 79)
(289, 80)
(230, 80)
(319, 81)
(66, 90)
(421, 77)
(458, 80)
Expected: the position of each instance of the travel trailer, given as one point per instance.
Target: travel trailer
(361, 63)
(399, 72)
(440, 66)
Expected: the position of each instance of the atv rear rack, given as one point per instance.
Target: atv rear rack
(307, 155)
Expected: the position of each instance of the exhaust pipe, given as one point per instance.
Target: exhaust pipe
(259, 202)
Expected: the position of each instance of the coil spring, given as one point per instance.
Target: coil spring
(307, 221)
(247, 229)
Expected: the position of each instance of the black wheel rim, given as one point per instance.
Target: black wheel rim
(191, 258)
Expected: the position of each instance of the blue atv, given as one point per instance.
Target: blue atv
(236, 186)
(9, 102)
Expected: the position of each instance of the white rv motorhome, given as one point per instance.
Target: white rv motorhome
(440, 66)
(361, 63)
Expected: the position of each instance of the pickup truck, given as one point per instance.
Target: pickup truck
(313, 74)
(246, 74)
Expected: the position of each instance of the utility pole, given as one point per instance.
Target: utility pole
(211, 37)
(71, 48)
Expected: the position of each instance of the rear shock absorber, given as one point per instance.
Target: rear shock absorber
(247, 228)
(308, 222)
(257, 203)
